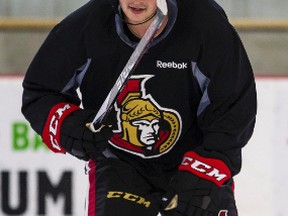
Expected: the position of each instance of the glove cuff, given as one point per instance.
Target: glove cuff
(211, 169)
(51, 131)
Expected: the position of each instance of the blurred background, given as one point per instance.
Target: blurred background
(34, 181)
(262, 26)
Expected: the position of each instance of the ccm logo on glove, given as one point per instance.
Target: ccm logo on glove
(210, 169)
(51, 132)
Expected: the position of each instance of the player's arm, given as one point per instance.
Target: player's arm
(226, 117)
(50, 101)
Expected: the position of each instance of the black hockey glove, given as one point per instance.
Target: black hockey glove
(202, 187)
(66, 131)
(78, 140)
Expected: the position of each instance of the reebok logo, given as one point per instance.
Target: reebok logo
(180, 66)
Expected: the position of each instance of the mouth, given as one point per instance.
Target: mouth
(149, 139)
(136, 9)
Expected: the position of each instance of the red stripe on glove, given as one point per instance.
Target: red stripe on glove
(51, 132)
(210, 169)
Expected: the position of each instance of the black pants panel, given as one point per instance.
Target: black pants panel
(118, 189)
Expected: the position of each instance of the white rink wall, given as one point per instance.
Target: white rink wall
(30, 175)
(261, 187)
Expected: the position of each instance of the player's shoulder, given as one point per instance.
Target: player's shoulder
(213, 20)
(209, 21)
(94, 11)
(96, 8)
(206, 13)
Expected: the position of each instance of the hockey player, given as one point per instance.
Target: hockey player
(172, 142)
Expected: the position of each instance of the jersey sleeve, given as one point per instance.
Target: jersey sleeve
(226, 114)
(53, 75)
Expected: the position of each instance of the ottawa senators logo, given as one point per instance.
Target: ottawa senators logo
(223, 213)
(145, 128)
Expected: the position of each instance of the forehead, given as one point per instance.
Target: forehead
(138, 1)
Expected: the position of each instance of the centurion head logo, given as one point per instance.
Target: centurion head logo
(223, 213)
(145, 128)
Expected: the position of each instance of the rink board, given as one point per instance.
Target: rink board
(30, 174)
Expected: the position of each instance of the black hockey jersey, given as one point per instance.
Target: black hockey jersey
(193, 90)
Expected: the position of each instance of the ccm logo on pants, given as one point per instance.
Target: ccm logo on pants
(129, 197)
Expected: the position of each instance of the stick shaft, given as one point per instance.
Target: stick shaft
(129, 68)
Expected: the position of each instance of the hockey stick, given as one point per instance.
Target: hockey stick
(129, 67)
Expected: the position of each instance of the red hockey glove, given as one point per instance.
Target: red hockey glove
(202, 187)
(66, 131)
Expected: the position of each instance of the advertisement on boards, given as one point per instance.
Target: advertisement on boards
(35, 181)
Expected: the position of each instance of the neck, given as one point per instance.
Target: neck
(140, 29)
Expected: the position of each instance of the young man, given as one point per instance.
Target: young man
(176, 130)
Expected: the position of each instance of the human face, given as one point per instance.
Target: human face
(148, 130)
(136, 11)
